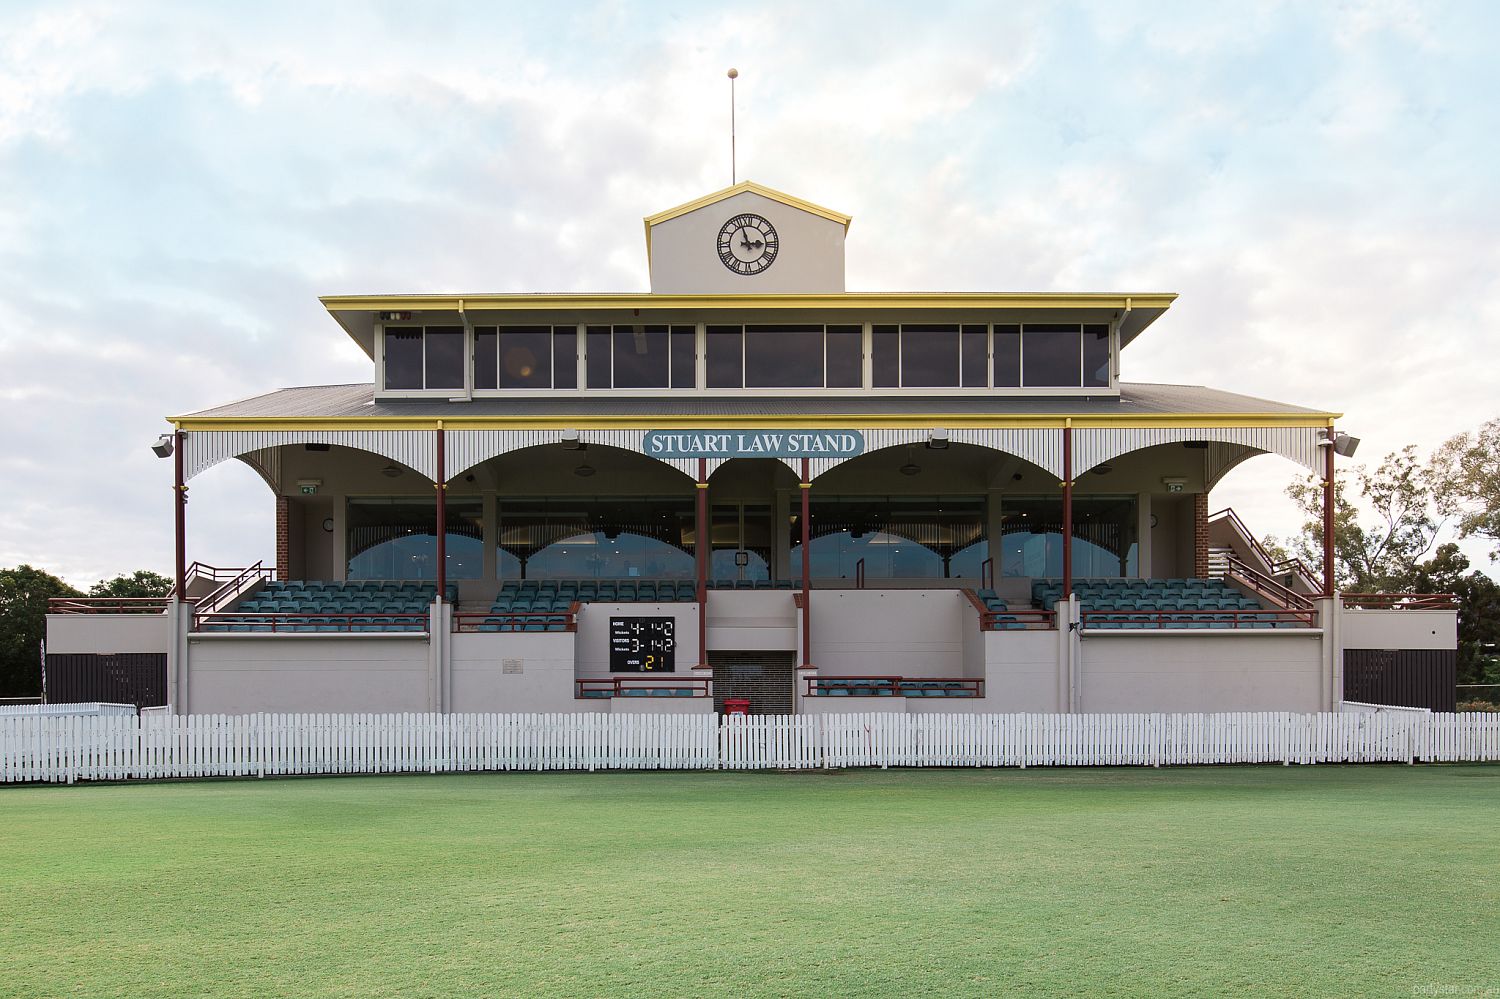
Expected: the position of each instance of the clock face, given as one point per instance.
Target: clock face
(747, 244)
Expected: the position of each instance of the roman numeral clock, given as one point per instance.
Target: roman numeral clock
(747, 244)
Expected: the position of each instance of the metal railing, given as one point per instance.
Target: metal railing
(513, 621)
(1285, 565)
(987, 573)
(1399, 601)
(233, 586)
(310, 622)
(893, 686)
(108, 605)
(1026, 618)
(1244, 619)
(588, 688)
(859, 574)
(1272, 589)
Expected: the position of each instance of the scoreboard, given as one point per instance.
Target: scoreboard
(642, 645)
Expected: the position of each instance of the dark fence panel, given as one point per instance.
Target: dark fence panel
(138, 678)
(1413, 678)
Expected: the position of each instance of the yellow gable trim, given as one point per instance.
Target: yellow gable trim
(591, 302)
(742, 187)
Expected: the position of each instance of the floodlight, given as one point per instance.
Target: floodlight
(164, 446)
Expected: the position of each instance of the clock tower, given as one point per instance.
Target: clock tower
(746, 239)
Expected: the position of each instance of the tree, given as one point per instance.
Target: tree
(1478, 610)
(24, 592)
(142, 583)
(1467, 468)
(1380, 556)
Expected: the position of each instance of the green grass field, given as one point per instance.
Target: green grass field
(1327, 880)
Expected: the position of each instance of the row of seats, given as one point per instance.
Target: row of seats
(1001, 621)
(601, 692)
(753, 584)
(321, 606)
(885, 687)
(1187, 603)
(601, 590)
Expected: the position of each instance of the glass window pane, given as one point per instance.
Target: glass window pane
(1007, 356)
(1096, 355)
(445, 357)
(597, 362)
(929, 356)
(586, 538)
(783, 356)
(885, 357)
(905, 537)
(395, 538)
(525, 357)
(975, 356)
(1050, 355)
(1104, 536)
(684, 357)
(403, 357)
(484, 357)
(725, 356)
(565, 357)
(845, 363)
(641, 357)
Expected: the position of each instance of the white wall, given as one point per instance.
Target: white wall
(479, 681)
(107, 633)
(685, 254)
(1399, 629)
(884, 633)
(1267, 670)
(234, 675)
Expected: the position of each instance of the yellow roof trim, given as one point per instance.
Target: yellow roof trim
(590, 302)
(827, 421)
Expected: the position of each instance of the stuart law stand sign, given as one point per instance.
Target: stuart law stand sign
(754, 443)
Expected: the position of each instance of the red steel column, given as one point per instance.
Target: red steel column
(1067, 525)
(442, 517)
(179, 490)
(1328, 496)
(806, 485)
(702, 551)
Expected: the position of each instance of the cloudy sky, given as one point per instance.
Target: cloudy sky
(179, 182)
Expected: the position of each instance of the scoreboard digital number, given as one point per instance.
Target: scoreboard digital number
(642, 645)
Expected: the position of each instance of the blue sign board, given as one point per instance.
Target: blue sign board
(754, 443)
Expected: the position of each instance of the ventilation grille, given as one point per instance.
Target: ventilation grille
(765, 679)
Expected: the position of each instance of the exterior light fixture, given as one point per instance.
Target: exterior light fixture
(571, 441)
(584, 471)
(164, 446)
(910, 468)
(391, 471)
(937, 440)
(1345, 445)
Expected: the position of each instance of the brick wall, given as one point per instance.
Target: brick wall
(283, 555)
(1200, 535)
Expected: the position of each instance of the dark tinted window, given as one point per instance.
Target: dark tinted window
(445, 357)
(1007, 356)
(1050, 355)
(525, 357)
(597, 348)
(484, 357)
(641, 357)
(684, 357)
(1095, 355)
(724, 357)
(565, 357)
(783, 356)
(885, 357)
(403, 358)
(845, 364)
(975, 356)
(929, 356)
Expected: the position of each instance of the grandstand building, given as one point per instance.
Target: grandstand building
(750, 485)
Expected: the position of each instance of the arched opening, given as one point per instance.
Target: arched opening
(590, 512)
(747, 501)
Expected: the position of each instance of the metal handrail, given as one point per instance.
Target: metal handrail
(1027, 617)
(279, 621)
(1166, 618)
(818, 686)
(1400, 601)
(987, 573)
(108, 605)
(1266, 586)
(616, 686)
(220, 597)
(859, 574)
(1289, 564)
(468, 621)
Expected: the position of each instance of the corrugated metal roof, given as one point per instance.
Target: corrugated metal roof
(1135, 399)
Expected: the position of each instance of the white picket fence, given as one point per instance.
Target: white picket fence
(65, 749)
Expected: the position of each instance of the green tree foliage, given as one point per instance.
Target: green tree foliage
(1467, 470)
(1478, 610)
(24, 592)
(1381, 554)
(142, 583)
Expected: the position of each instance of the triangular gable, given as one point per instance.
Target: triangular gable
(740, 188)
